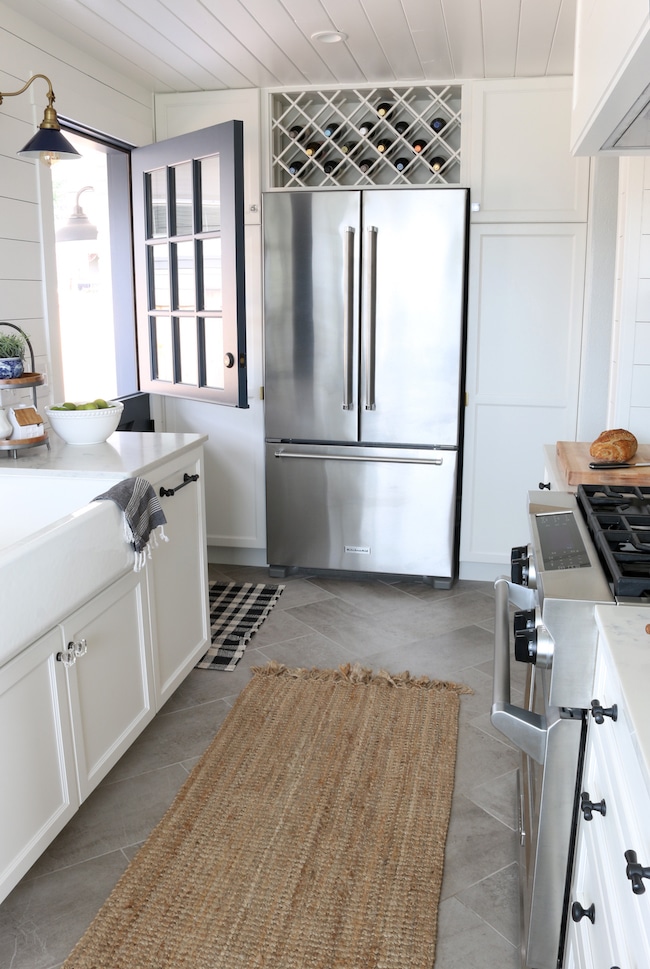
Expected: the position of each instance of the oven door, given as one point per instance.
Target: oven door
(551, 741)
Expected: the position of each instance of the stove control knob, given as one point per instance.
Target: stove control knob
(519, 565)
(525, 636)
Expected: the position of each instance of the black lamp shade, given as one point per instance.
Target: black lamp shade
(48, 141)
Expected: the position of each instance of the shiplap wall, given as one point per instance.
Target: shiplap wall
(629, 391)
(86, 92)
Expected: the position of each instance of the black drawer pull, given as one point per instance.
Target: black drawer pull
(168, 492)
(636, 872)
(599, 712)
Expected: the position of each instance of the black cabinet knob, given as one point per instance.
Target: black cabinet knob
(578, 912)
(599, 712)
(588, 807)
(636, 872)
(543, 485)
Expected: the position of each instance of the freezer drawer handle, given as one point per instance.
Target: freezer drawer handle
(354, 457)
(526, 729)
(348, 317)
(370, 323)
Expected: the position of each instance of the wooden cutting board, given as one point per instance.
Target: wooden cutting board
(573, 460)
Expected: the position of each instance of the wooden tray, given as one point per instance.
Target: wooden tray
(573, 461)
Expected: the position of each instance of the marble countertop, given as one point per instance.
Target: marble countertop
(125, 454)
(623, 627)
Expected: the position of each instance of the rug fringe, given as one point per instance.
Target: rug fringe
(357, 674)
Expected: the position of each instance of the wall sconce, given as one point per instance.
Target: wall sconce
(48, 143)
(78, 227)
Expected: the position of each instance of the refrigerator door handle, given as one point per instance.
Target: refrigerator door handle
(281, 453)
(370, 315)
(348, 317)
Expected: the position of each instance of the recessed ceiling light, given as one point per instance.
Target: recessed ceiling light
(329, 36)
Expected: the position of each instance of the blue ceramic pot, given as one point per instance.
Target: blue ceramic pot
(11, 367)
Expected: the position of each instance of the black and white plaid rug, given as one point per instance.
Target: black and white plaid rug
(236, 612)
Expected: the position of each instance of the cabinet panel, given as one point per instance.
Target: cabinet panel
(523, 365)
(111, 694)
(178, 580)
(36, 758)
(521, 166)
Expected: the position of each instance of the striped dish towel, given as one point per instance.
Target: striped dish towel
(144, 519)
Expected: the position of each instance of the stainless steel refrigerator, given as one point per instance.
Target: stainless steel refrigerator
(364, 303)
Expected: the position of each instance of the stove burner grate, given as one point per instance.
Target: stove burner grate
(618, 519)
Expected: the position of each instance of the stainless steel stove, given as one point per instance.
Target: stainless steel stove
(584, 549)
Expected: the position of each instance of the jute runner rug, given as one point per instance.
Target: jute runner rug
(311, 834)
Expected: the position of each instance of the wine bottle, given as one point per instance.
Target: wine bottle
(330, 128)
(401, 163)
(331, 165)
(437, 163)
(313, 147)
(295, 166)
(295, 131)
(438, 124)
(383, 109)
(366, 163)
(383, 144)
(419, 145)
(401, 127)
(348, 147)
(365, 128)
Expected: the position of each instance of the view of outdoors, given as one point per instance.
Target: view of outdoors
(81, 215)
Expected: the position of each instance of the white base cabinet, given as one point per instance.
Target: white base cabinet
(74, 701)
(39, 789)
(110, 686)
(616, 931)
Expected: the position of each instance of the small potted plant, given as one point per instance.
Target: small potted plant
(13, 347)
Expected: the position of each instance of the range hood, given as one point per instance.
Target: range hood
(633, 132)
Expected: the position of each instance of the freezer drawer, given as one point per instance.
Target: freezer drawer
(362, 509)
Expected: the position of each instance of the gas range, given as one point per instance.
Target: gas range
(618, 519)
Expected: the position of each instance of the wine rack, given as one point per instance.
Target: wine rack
(381, 136)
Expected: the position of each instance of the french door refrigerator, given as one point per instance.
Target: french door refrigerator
(364, 305)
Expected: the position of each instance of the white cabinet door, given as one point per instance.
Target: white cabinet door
(523, 366)
(39, 791)
(110, 686)
(178, 577)
(521, 166)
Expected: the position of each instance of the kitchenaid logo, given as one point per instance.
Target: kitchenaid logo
(358, 549)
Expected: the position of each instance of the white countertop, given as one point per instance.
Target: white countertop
(623, 628)
(125, 454)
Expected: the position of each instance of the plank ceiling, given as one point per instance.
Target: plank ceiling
(207, 45)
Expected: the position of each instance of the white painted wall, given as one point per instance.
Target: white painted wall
(629, 391)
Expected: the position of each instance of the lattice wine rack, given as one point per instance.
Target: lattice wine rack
(381, 136)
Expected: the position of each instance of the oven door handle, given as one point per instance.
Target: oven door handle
(523, 727)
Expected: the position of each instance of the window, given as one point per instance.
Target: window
(186, 243)
(92, 218)
(189, 259)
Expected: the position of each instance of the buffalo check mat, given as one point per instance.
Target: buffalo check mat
(236, 612)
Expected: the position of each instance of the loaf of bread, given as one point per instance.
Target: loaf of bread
(614, 445)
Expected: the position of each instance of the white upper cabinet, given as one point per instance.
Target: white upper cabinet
(521, 166)
(611, 89)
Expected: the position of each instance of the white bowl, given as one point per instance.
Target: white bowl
(85, 426)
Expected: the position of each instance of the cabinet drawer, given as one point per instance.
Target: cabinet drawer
(598, 943)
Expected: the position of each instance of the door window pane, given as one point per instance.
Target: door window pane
(210, 194)
(188, 350)
(212, 284)
(184, 252)
(183, 194)
(157, 203)
(160, 275)
(161, 339)
(214, 353)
